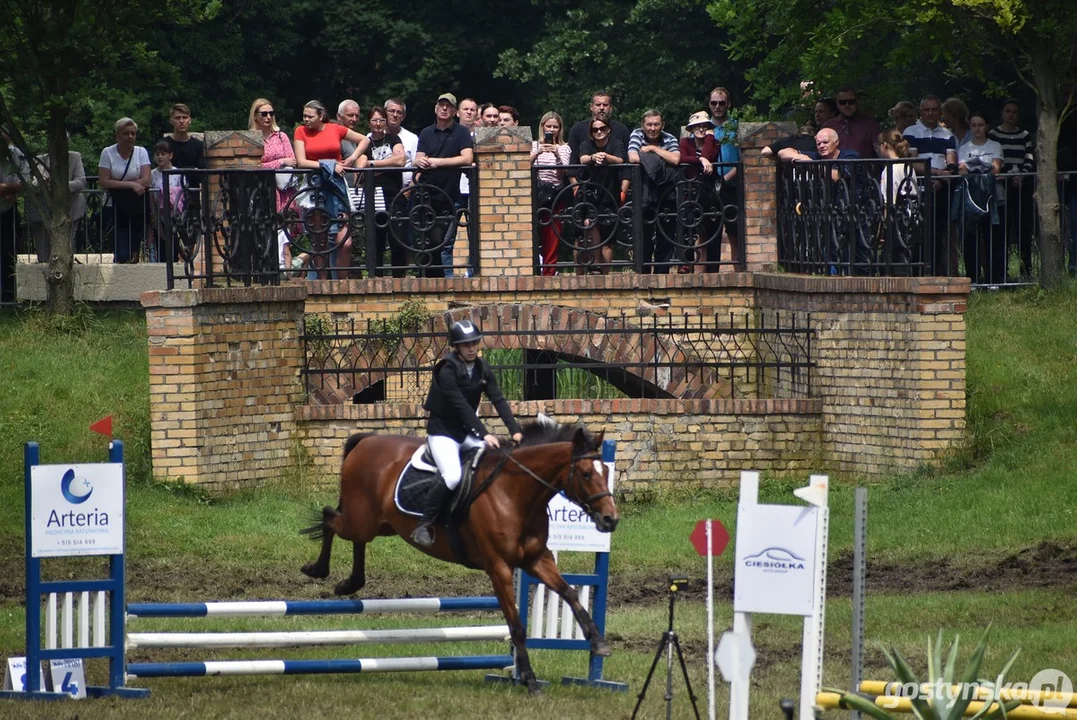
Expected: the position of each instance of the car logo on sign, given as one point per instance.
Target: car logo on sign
(775, 559)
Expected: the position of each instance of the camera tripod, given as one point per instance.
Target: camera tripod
(669, 643)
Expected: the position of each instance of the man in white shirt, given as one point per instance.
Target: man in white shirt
(348, 116)
(396, 111)
(928, 139)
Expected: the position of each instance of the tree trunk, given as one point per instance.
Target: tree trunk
(1048, 208)
(59, 276)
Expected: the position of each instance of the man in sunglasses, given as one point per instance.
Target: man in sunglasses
(725, 133)
(601, 103)
(856, 131)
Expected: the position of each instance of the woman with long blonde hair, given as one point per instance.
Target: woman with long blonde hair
(552, 154)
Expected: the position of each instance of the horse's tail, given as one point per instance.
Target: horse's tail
(353, 441)
(321, 520)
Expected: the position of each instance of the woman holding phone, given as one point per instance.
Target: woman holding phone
(552, 155)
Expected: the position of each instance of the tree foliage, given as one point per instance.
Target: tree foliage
(890, 48)
(60, 57)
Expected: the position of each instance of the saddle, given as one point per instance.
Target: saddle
(421, 473)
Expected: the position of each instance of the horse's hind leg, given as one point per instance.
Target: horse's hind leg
(545, 569)
(354, 582)
(319, 569)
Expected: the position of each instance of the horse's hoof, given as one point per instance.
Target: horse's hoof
(314, 570)
(348, 587)
(602, 648)
(534, 690)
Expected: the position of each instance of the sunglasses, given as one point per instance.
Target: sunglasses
(599, 129)
(266, 113)
(848, 101)
(719, 103)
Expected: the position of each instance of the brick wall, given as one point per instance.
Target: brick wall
(890, 356)
(503, 156)
(224, 383)
(660, 443)
(760, 201)
(888, 392)
(606, 294)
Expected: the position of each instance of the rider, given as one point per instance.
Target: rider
(458, 384)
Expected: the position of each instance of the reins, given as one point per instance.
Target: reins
(568, 482)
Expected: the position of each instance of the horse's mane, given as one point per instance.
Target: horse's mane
(537, 432)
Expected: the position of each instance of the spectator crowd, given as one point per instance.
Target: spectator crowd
(599, 161)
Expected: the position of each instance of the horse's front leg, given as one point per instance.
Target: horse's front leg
(501, 577)
(545, 569)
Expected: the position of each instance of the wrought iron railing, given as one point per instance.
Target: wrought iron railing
(586, 224)
(327, 226)
(761, 355)
(897, 218)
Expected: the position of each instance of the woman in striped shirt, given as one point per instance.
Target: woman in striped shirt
(1016, 206)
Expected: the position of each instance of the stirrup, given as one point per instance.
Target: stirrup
(423, 534)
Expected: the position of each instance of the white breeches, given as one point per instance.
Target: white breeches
(446, 452)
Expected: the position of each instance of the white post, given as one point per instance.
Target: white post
(811, 674)
(742, 622)
(50, 622)
(84, 619)
(99, 620)
(710, 624)
(68, 621)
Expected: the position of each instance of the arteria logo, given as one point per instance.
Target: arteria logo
(75, 491)
(776, 560)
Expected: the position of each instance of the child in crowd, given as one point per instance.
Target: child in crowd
(287, 261)
(162, 155)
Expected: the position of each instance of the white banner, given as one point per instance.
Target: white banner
(571, 529)
(775, 565)
(76, 510)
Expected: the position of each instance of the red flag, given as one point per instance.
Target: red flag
(103, 426)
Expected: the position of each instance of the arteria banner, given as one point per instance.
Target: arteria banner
(76, 510)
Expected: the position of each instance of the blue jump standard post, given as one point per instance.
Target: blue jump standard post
(36, 589)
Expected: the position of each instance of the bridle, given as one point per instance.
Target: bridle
(586, 503)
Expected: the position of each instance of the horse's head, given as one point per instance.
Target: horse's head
(586, 483)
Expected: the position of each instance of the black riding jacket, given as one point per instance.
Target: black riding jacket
(454, 397)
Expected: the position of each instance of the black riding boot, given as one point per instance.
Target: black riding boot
(438, 497)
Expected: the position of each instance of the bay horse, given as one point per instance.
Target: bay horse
(505, 527)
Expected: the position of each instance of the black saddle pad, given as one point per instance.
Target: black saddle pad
(414, 484)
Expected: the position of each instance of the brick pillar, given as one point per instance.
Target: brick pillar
(224, 383)
(227, 149)
(760, 204)
(504, 159)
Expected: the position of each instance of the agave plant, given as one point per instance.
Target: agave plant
(942, 702)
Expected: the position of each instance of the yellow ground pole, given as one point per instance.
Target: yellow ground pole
(832, 701)
(1057, 700)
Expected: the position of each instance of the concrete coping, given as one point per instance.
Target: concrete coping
(223, 296)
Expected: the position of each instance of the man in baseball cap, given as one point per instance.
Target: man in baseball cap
(445, 149)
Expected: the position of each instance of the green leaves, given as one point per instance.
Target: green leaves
(947, 697)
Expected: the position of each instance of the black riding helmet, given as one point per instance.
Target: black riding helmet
(463, 331)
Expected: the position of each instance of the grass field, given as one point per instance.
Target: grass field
(990, 537)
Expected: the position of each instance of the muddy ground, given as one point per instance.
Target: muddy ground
(1046, 564)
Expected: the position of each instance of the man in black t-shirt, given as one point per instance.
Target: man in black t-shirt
(445, 148)
(601, 102)
(187, 152)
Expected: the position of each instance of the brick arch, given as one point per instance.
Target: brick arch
(529, 327)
